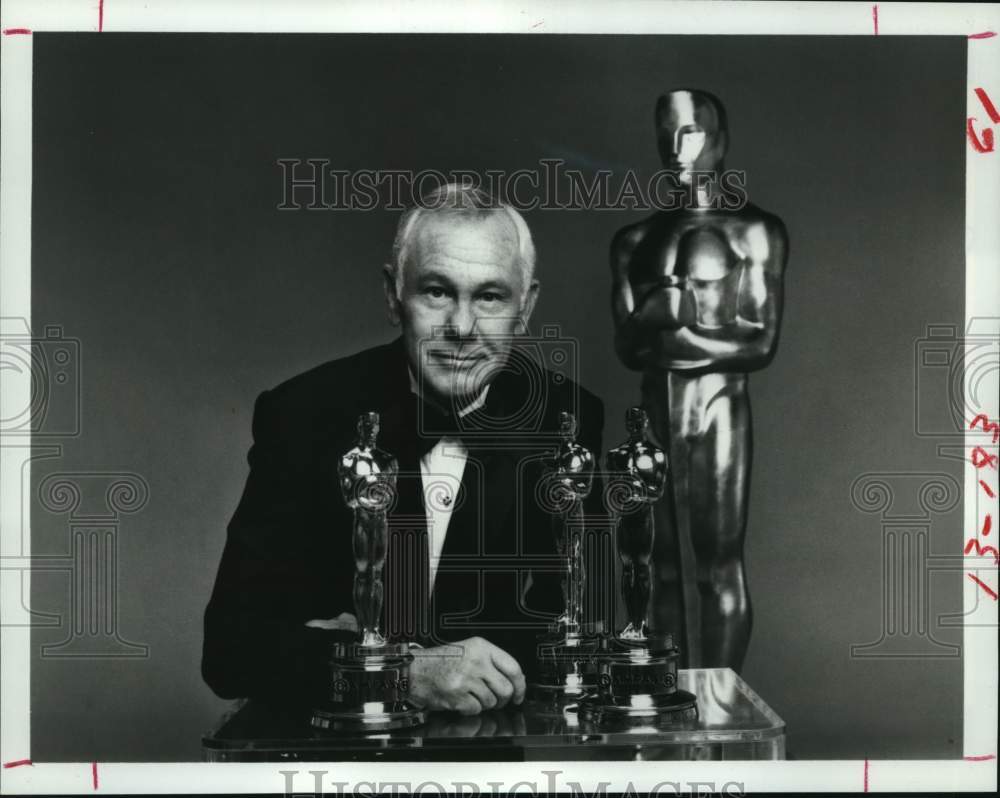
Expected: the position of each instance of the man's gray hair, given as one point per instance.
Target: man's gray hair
(464, 201)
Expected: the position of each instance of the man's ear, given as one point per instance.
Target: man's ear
(389, 289)
(529, 301)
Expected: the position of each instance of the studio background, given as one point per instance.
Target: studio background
(157, 244)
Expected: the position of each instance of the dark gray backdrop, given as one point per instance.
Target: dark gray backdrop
(157, 244)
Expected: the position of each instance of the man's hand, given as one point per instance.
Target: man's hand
(467, 677)
(343, 621)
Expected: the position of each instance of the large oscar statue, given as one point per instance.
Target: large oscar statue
(637, 681)
(697, 303)
(369, 679)
(566, 664)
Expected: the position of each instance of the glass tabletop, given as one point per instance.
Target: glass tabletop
(729, 712)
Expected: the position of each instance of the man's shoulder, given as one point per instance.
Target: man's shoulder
(569, 391)
(569, 395)
(338, 385)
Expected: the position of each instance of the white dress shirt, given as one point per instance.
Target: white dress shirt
(441, 471)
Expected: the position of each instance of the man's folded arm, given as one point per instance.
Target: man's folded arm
(252, 649)
(270, 583)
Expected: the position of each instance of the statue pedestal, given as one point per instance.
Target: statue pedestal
(368, 690)
(568, 667)
(637, 687)
(733, 723)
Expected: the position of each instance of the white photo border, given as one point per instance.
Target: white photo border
(977, 770)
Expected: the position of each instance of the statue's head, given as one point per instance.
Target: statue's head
(567, 426)
(691, 131)
(368, 426)
(635, 421)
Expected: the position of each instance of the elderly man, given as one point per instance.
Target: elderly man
(469, 416)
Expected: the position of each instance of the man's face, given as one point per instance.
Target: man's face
(462, 299)
(688, 135)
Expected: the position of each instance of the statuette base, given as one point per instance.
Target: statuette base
(568, 663)
(654, 711)
(637, 686)
(368, 690)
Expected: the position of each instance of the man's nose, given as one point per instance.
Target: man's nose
(462, 320)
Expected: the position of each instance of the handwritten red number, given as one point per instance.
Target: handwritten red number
(980, 457)
(986, 145)
(988, 105)
(989, 591)
(988, 426)
(984, 459)
(982, 551)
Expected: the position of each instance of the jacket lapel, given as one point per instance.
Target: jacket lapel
(483, 522)
(405, 608)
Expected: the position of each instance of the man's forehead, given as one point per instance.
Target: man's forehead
(489, 238)
(685, 108)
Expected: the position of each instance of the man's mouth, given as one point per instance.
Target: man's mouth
(454, 359)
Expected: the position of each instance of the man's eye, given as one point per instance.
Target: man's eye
(435, 292)
(490, 296)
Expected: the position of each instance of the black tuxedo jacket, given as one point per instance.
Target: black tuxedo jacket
(288, 554)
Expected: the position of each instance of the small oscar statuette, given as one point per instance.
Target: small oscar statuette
(566, 665)
(637, 679)
(369, 678)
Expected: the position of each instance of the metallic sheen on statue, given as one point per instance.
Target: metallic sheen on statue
(567, 668)
(697, 304)
(369, 679)
(637, 680)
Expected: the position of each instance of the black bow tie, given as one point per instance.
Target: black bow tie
(433, 424)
